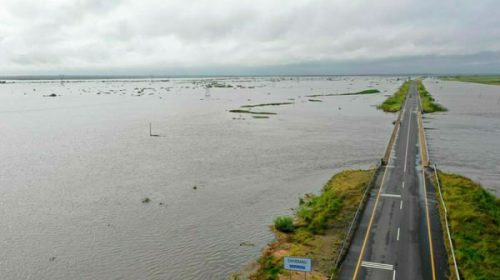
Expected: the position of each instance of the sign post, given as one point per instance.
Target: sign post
(297, 264)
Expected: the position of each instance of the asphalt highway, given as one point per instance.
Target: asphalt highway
(399, 235)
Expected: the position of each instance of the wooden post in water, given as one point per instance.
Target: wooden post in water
(150, 134)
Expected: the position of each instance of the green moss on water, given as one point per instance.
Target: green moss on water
(396, 101)
(315, 100)
(474, 219)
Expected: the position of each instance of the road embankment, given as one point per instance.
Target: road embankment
(322, 227)
(473, 221)
(428, 103)
(395, 102)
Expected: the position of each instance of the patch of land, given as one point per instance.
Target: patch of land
(318, 228)
(267, 104)
(474, 220)
(366, 91)
(396, 101)
(429, 105)
(241, 111)
(487, 79)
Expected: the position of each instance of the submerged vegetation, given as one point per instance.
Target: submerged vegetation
(395, 102)
(474, 220)
(217, 84)
(489, 80)
(428, 103)
(319, 226)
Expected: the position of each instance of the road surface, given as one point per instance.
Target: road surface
(399, 236)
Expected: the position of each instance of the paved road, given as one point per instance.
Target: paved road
(392, 240)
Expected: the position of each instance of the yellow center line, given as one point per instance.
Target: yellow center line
(369, 226)
(374, 210)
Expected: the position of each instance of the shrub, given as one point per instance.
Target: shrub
(284, 224)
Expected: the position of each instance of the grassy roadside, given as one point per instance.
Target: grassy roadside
(395, 102)
(318, 228)
(488, 80)
(474, 219)
(428, 103)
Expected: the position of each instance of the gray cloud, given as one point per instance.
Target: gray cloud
(201, 37)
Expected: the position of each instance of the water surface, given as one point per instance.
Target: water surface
(74, 169)
(466, 139)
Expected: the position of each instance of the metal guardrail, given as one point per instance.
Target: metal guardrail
(352, 225)
(446, 222)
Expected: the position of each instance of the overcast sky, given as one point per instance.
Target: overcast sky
(248, 37)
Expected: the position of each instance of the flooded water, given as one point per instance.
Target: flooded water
(466, 139)
(74, 169)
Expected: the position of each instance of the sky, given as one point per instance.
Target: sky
(258, 37)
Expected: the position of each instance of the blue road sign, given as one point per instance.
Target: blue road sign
(297, 264)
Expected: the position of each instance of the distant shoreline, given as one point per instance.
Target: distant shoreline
(161, 76)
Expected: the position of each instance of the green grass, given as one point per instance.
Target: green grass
(318, 228)
(395, 102)
(251, 112)
(474, 219)
(366, 91)
(284, 224)
(486, 79)
(267, 104)
(428, 103)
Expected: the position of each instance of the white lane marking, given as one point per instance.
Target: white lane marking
(394, 275)
(397, 237)
(401, 205)
(391, 195)
(377, 265)
(403, 185)
(407, 142)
